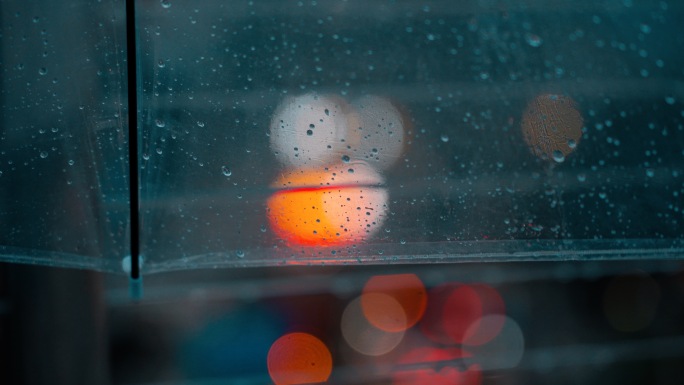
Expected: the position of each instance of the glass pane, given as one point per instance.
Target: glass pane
(63, 166)
(316, 132)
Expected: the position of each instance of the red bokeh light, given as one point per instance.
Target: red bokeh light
(433, 366)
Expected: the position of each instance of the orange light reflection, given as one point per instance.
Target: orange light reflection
(299, 358)
(406, 289)
(335, 206)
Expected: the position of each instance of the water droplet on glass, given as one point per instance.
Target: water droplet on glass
(226, 171)
(533, 40)
(200, 123)
(345, 158)
(160, 123)
(445, 138)
(43, 154)
(327, 112)
(351, 171)
(309, 132)
(165, 4)
(240, 254)
(650, 172)
(161, 64)
(36, 19)
(581, 177)
(670, 100)
(42, 71)
(71, 162)
(263, 228)
(558, 156)
(572, 143)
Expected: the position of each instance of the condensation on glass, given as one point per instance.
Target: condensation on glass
(276, 133)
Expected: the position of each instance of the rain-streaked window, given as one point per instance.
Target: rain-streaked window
(372, 192)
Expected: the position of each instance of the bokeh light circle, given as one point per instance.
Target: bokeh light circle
(435, 366)
(376, 131)
(308, 131)
(406, 289)
(364, 337)
(552, 126)
(337, 205)
(455, 312)
(299, 358)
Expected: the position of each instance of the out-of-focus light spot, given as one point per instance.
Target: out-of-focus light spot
(309, 131)
(455, 312)
(552, 126)
(329, 207)
(485, 328)
(299, 358)
(363, 336)
(506, 350)
(405, 289)
(428, 365)
(630, 301)
(376, 131)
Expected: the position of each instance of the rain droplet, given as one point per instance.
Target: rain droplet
(309, 132)
(572, 143)
(161, 64)
(445, 138)
(558, 156)
(533, 40)
(71, 162)
(165, 4)
(327, 112)
(670, 100)
(200, 123)
(582, 177)
(240, 254)
(226, 171)
(160, 123)
(650, 172)
(345, 158)
(43, 154)
(42, 71)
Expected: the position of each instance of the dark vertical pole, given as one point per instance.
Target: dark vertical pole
(133, 138)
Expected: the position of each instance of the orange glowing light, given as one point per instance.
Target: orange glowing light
(427, 365)
(299, 358)
(552, 126)
(407, 289)
(338, 205)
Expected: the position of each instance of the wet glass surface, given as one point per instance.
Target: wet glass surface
(335, 133)
(63, 157)
(342, 133)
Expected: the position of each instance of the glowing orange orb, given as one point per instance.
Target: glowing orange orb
(552, 126)
(406, 289)
(299, 358)
(337, 205)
